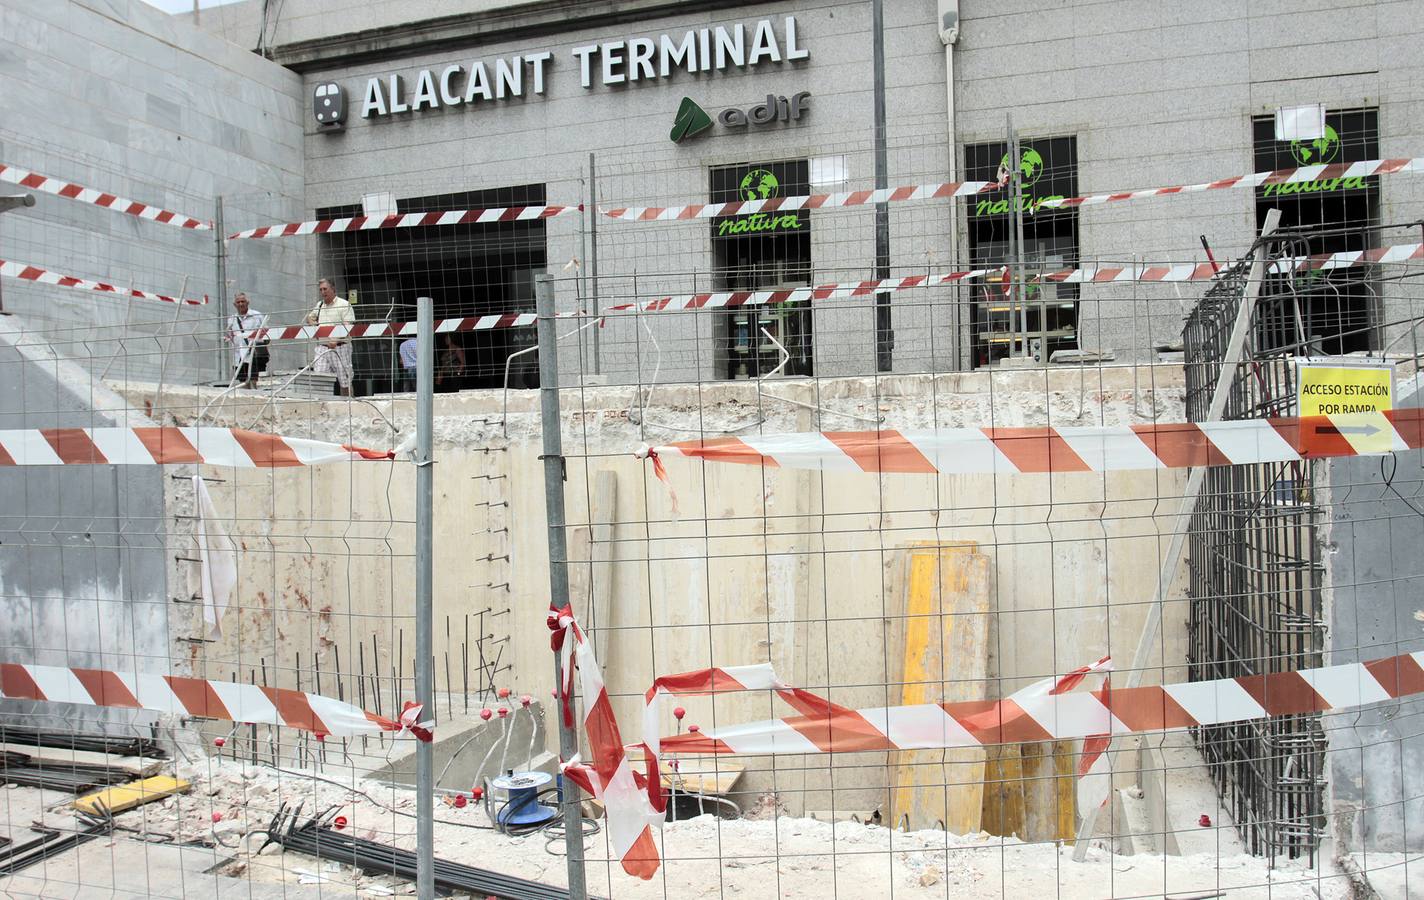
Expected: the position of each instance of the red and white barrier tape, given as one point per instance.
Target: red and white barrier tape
(60, 188)
(408, 220)
(608, 776)
(727, 299)
(792, 204)
(1004, 451)
(402, 329)
(171, 446)
(1043, 715)
(11, 269)
(1298, 175)
(1180, 272)
(1302, 175)
(225, 700)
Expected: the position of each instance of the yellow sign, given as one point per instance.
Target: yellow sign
(1354, 393)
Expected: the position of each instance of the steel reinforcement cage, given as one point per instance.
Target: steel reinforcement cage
(1254, 560)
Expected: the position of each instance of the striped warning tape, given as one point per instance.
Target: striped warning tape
(402, 329)
(224, 700)
(1180, 272)
(72, 191)
(11, 269)
(1303, 175)
(1045, 711)
(409, 220)
(1299, 175)
(608, 776)
(792, 204)
(1002, 451)
(170, 446)
(1050, 709)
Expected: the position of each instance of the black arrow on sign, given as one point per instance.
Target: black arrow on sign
(1365, 430)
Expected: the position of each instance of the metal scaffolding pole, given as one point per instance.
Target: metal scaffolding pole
(424, 593)
(1147, 641)
(553, 458)
(220, 260)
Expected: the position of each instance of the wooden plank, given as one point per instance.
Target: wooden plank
(943, 637)
(696, 774)
(127, 796)
(1065, 759)
(1039, 796)
(1049, 794)
(1004, 790)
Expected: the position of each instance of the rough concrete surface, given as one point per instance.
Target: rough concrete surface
(797, 568)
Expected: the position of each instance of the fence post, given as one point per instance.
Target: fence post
(220, 258)
(424, 594)
(553, 458)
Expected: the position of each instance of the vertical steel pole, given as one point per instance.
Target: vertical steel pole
(220, 256)
(1016, 223)
(553, 457)
(884, 331)
(424, 593)
(1231, 361)
(597, 302)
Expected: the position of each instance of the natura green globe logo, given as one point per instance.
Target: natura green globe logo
(1322, 150)
(1030, 166)
(758, 184)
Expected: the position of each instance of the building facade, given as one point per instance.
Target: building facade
(565, 103)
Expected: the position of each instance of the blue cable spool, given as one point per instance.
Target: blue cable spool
(523, 811)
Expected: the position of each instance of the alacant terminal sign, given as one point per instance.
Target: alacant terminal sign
(712, 49)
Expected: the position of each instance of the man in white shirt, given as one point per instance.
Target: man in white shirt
(333, 357)
(249, 354)
(409, 359)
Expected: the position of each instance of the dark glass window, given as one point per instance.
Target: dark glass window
(1337, 310)
(469, 270)
(1048, 168)
(762, 251)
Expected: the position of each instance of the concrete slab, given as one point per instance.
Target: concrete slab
(126, 868)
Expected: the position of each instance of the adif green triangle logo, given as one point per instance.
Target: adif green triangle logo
(691, 119)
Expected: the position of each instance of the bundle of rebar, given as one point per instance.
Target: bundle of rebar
(315, 837)
(17, 768)
(51, 843)
(95, 743)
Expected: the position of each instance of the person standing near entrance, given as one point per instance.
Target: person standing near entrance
(249, 354)
(409, 359)
(333, 357)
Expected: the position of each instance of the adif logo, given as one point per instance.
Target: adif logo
(329, 106)
(775, 109)
(692, 119)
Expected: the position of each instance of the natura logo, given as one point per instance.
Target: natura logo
(1030, 167)
(1322, 150)
(758, 184)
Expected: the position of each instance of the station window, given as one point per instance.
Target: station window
(762, 251)
(1338, 311)
(469, 270)
(1048, 168)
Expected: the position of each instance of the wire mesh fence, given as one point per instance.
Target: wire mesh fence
(836, 541)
